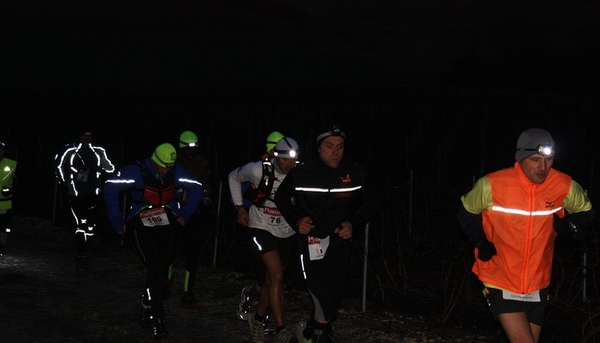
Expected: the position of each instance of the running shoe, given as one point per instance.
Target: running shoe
(299, 331)
(145, 319)
(286, 336)
(268, 324)
(158, 328)
(245, 304)
(257, 331)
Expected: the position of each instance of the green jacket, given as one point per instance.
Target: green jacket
(7, 173)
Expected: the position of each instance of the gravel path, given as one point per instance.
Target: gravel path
(43, 299)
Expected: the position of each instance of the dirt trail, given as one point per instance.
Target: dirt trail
(43, 299)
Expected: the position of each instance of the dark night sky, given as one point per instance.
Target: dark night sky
(444, 87)
(379, 45)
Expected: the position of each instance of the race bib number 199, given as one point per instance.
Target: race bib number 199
(154, 217)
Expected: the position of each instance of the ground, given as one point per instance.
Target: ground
(44, 299)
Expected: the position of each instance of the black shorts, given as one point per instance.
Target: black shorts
(535, 310)
(263, 242)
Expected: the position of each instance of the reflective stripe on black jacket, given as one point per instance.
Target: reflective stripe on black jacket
(328, 196)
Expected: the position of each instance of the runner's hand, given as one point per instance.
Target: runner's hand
(305, 225)
(345, 232)
(242, 216)
(486, 249)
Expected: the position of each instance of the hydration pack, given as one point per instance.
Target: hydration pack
(258, 194)
(157, 192)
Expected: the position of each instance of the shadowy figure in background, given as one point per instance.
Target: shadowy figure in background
(8, 168)
(153, 218)
(324, 202)
(513, 216)
(81, 169)
(271, 236)
(189, 237)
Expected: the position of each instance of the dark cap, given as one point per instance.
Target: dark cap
(332, 130)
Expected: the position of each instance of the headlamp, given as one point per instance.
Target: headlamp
(335, 131)
(285, 153)
(542, 149)
(545, 150)
(188, 144)
(291, 153)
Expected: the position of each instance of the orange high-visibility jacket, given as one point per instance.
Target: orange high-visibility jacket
(517, 217)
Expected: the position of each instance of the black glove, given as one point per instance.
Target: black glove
(486, 249)
(563, 226)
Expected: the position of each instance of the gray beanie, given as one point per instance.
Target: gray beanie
(529, 140)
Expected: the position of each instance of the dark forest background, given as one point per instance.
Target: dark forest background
(439, 90)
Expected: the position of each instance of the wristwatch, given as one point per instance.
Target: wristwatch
(237, 207)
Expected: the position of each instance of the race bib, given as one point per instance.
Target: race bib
(272, 216)
(317, 247)
(154, 217)
(82, 175)
(533, 297)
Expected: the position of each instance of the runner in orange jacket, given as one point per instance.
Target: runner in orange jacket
(513, 216)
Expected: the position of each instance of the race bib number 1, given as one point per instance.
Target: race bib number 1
(154, 217)
(317, 247)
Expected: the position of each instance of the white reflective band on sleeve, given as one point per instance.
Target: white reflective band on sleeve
(190, 181)
(120, 181)
(525, 213)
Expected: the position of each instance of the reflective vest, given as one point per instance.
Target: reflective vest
(520, 224)
(7, 173)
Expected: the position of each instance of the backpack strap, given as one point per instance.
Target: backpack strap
(263, 190)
